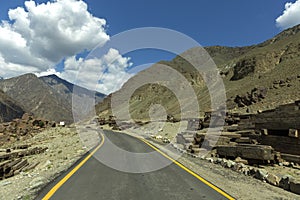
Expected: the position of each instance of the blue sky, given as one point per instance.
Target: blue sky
(218, 22)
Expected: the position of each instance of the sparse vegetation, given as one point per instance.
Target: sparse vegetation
(244, 68)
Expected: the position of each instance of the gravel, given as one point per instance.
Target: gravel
(64, 149)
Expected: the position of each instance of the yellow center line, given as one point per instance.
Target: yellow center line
(189, 171)
(62, 181)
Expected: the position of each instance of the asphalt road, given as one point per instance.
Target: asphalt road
(95, 180)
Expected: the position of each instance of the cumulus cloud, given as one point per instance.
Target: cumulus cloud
(47, 73)
(290, 16)
(105, 74)
(13, 69)
(39, 36)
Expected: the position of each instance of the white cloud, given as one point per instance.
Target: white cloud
(48, 72)
(290, 16)
(106, 74)
(38, 36)
(12, 69)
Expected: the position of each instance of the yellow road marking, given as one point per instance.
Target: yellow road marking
(62, 181)
(189, 171)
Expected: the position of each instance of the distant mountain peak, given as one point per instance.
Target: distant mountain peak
(66, 88)
(28, 75)
(48, 97)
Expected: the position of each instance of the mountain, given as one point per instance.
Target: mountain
(46, 97)
(256, 77)
(37, 97)
(9, 109)
(65, 88)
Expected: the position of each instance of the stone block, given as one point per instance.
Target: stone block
(295, 186)
(293, 133)
(273, 179)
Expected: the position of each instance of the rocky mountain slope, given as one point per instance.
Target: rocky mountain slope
(256, 77)
(37, 97)
(9, 109)
(46, 97)
(65, 88)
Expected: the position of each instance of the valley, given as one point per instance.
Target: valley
(255, 136)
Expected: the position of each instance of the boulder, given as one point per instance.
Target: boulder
(285, 182)
(252, 171)
(240, 160)
(211, 160)
(293, 133)
(295, 186)
(37, 182)
(261, 174)
(273, 179)
(197, 150)
(247, 151)
(256, 95)
(229, 163)
(238, 167)
(245, 171)
(218, 160)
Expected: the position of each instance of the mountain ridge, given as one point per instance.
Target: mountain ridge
(47, 97)
(270, 67)
(66, 88)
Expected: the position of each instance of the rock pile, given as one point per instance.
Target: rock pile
(279, 128)
(118, 124)
(171, 118)
(13, 161)
(111, 121)
(288, 82)
(19, 129)
(196, 142)
(286, 182)
(268, 138)
(256, 95)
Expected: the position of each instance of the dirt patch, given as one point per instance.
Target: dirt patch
(64, 149)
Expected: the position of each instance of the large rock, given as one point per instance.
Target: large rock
(293, 133)
(37, 182)
(261, 174)
(295, 186)
(256, 95)
(238, 167)
(273, 179)
(240, 160)
(285, 182)
(227, 163)
(247, 151)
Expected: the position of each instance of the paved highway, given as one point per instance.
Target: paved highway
(90, 179)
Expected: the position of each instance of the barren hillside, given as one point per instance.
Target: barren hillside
(255, 77)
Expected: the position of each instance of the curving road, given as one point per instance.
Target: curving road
(94, 180)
